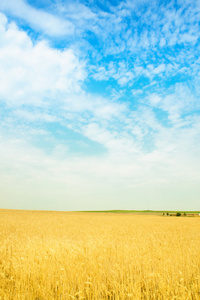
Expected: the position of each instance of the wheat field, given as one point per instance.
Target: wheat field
(66, 255)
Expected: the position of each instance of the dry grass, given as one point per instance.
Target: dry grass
(57, 255)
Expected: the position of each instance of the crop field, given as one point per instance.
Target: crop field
(67, 255)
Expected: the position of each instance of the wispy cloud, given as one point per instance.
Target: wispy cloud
(40, 20)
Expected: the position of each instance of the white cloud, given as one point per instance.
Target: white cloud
(177, 102)
(36, 75)
(137, 92)
(162, 42)
(76, 11)
(159, 69)
(154, 99)
(38, 19)
(35, 116)
(31, 73)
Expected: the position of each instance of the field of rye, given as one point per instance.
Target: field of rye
(63, 255)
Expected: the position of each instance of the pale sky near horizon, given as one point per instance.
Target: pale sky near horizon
(100, 104)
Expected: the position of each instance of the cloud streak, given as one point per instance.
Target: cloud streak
(40, 20)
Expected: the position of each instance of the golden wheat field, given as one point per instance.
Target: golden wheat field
(63, 255)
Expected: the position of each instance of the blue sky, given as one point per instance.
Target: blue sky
(99, 104)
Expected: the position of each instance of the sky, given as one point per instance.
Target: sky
(100, 104)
